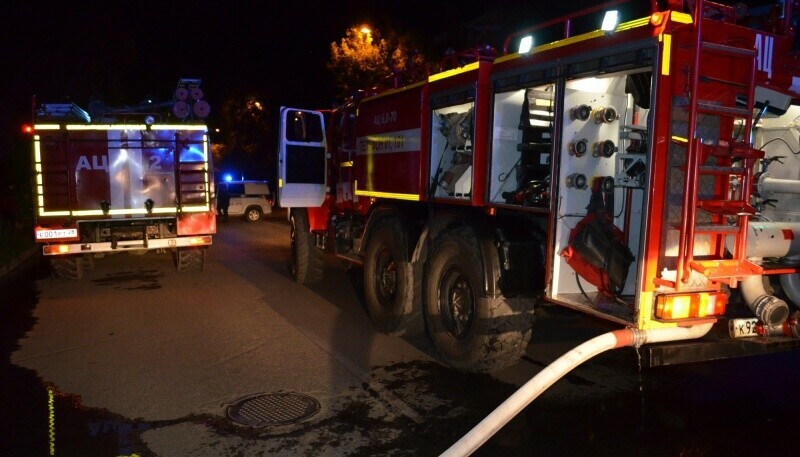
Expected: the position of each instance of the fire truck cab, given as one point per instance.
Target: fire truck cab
(644, 173)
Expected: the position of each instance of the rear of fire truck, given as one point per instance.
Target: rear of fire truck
(123, 180)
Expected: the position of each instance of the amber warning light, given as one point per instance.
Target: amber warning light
(696, 305)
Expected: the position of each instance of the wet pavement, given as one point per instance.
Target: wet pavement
(609, 406)
(35, 418)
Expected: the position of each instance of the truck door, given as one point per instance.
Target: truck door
(302, 159)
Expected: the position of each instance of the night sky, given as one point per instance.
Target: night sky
(125, 52)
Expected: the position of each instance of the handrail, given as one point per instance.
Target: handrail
(565, 20)
(710, 9)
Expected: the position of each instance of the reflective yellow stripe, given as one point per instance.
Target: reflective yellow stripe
(369, 193)
(453, 72)
(106, 127)
(680, 138)
(346, 164)
(119, 212)
(665, 55)
(46, 127)
(633, 24)
(194, 209)
(393, 91)
(42, 212)
(116, 212)
(594, 34)
(123, 212)
(37, 149)
(134, 127)
(179, 127)
(682, 18)
(578, 38)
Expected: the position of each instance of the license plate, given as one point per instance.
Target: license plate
(56, 234)
(742, 328)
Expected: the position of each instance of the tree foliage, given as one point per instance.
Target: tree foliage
(363, 59)
(244, 140)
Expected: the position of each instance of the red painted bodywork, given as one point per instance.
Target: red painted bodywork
(395, 172)
(78, 175)
(197, 224)
(407, 108)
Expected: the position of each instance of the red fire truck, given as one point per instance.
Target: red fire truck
(645, 173)
(123, 180)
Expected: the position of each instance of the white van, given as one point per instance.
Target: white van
(251, 199)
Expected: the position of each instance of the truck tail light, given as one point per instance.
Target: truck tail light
(199, 240)
(682, 306)
(56, 249)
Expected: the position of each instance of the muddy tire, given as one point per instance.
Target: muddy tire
(253, 214)
(190, 259)
(305, 260)
(391, 294)
(470, 331)
(67, 268)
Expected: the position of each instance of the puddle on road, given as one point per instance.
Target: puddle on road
(37, 419)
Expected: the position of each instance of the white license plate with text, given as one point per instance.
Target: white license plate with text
(742, 328)
(56, 233)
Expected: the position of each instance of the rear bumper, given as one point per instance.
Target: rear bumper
(131, 245)
(716, 345)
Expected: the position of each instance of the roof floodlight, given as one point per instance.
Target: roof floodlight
(525, 44)
(610, 21)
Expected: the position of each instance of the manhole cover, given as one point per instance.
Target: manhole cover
(280, 408)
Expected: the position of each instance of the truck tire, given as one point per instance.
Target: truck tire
(252, 214)
(471, 332)
(67, 268)
(389, 282)
(305, 260)
(190, 259)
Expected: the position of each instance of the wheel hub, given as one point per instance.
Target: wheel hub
(386, 278)
(456, 302)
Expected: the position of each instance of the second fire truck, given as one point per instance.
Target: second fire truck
(132, 179)
(646, 174)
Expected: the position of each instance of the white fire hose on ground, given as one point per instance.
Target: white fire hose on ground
(490, 425)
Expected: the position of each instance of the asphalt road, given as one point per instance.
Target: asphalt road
(138, 359)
